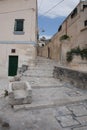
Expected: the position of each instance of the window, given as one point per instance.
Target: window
(84, 6)
(42, 44)
(60, 28)
(19, 25)
(85, 23)
(13, 50)
(74, 13)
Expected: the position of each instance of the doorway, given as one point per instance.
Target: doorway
(48, 52)
(13, 65)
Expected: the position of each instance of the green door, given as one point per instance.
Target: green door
(13, 65)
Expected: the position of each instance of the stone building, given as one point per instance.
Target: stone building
(75, 27)
(18, 35)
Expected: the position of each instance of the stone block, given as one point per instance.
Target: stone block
(78, 110)
(82, 120)
(61, 111)
(20, 93)
(67, 121)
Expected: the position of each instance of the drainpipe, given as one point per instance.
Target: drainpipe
(60, 58)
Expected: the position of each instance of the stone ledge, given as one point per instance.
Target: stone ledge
(78, 78)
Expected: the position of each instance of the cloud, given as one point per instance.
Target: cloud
(63, 9)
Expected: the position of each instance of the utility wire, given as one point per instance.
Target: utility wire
(16, 11)
(40, 4)
(53, 7)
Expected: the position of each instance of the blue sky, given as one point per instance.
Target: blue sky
(49, 25)
(49, 21)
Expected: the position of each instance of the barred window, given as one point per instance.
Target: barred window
(19, 25)
(13, 50)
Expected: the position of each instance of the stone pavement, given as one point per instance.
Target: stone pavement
(56, 105)
(3, 85)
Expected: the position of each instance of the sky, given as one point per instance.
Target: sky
(51, 14)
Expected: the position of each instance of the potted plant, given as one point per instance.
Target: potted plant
(64, 37)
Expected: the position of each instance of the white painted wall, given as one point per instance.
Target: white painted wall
(24, 44)
(17, 9)
(26, 54)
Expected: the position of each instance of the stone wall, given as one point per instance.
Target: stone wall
(51, 51)
(78, 78)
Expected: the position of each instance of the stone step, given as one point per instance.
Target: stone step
(44, 105)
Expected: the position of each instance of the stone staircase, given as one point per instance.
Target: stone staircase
(46, 90)
(41, 75)
(44, 68)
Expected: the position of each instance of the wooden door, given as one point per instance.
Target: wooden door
(13, 65)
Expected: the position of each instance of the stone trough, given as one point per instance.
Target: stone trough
(20, 93)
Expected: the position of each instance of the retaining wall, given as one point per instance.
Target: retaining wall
(78, 78)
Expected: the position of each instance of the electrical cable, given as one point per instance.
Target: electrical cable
(40, 4)
(53, 7)
(16, 11)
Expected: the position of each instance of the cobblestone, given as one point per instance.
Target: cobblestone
(81, 128)
(78, 110)
(67, 121)
(82, 120)
(62, 111)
